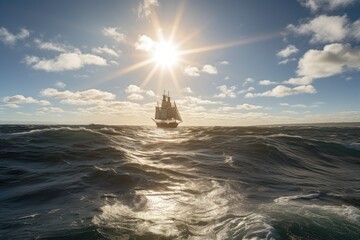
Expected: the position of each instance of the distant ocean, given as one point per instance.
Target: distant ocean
(126, 182)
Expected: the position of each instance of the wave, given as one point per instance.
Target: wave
(96, 182)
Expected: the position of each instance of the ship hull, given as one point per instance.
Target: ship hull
(167, 124)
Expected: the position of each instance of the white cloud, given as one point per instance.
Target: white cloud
(195, 101)
(87, 97)
(324, 29)
(286, 61)
(299, 81)
(10, 39)
(114, 34)
(224, 63)
(113, 62)
(13, 101)
(191, 71)
(106, 50)
(150, 93)
(290, 112)
(247, 81)
(60, 84)
(64, 61)
(210, 69)
(226, 91)
(226, 78)
(355, 32)
(144, 43)
(145, 8)
(187, 90)
(135, 97)
(247, 106)
(296, 105)
(11, 105)
(315, 5)
(53, 46)
(333, 59)
(135, 92)
(133, 89)
(267, 82)
(249, 89)
(282, 91)
(286, 52)
(50, 110)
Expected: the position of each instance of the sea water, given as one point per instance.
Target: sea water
(128, 182)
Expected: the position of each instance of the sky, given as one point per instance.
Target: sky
(224, 62)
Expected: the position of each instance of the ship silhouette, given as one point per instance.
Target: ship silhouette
(167, 114)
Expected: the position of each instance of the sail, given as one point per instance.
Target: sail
(157, 112)
(177, 115)
(167, 114)
(163, 113)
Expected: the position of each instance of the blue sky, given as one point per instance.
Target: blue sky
(224, 62)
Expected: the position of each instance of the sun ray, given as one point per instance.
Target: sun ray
(156, 26)
(128, 69)
(161, 79)
(187, 38)
(176, 23)
(149, 76)
(229, 44)
(175, 81)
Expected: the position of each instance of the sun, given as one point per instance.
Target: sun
(165, 54)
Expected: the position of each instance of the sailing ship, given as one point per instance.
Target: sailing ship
(167, 114)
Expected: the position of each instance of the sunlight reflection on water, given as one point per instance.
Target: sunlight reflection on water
(187, 205)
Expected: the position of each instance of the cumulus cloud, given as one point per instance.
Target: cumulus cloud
(267, 82)
(191, 71)
(64, 61)
(52, 46)
(150, 93)
(247, 81)
(13, 101)
(226, 91)
(106, 50)
(10, 39)
(315, 5)
(247, 106)
(286, 61)
(210, 69)
(314, 105)
(145, 43)
(133, 89)
(114, 34)
(60, 84)
(249, 89)
(333, 59)
(195, 101)
(282, 91)
(87, 97)
(135, 97)
(187, 90)
(135, 92)
(299, 81)
(225, 63)
(355, 32)
(326, 29)
(50, 110)
(145, 8)
(286, 52)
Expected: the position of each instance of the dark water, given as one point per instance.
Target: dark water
(102, 182)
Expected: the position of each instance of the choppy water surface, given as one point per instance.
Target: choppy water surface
(106, 182)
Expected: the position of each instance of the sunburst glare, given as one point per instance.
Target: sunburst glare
(165, 54)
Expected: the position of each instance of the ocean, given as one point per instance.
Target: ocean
(129, 182)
